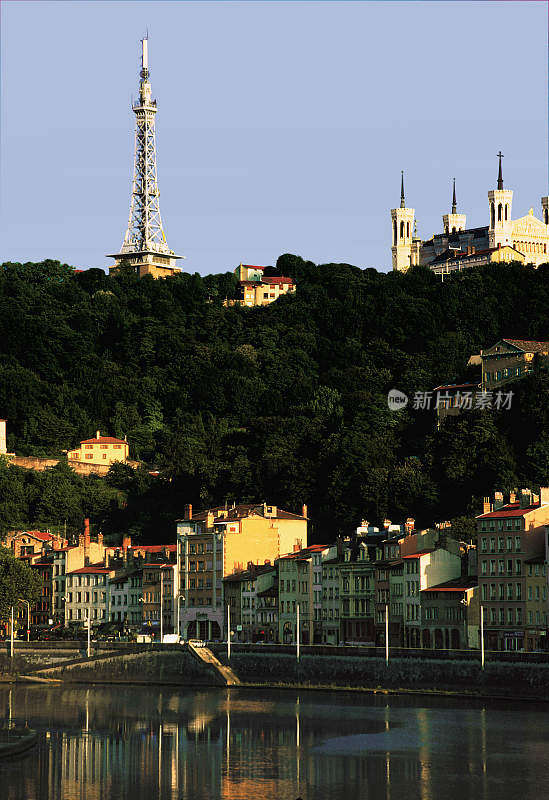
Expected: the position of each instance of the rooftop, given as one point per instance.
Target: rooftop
(248, 574)
(527, 345)
(224, 514)
(91, 569)
(455, 585)
(104, 440)
(509, 510)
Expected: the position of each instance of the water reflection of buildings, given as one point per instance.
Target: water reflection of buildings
(209, 745)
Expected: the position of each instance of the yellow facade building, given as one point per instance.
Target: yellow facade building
(218, 542)
(101, 450)
(257, 289)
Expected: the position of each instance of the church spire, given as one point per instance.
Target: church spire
(454, 204)
(402, 200)
(500, 175)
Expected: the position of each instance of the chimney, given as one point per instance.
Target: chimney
(486, 506)
(386, 523)
(304, 510)
(98, 434)
(209, 520)
(363, 523)
(512, 497)
(498, 500)
(167, 553)
(126, 542)
(86, 540)
(409, 525)
(544, 495)
(525, 498)
(297, 548)
(188, 511)
(100, 539)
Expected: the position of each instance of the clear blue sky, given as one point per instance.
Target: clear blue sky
(282, 126)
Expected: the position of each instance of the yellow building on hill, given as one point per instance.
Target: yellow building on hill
(257, 289)
(101, 450)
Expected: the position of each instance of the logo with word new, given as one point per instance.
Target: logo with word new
(397, 400)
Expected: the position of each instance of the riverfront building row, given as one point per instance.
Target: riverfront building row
(250, 566)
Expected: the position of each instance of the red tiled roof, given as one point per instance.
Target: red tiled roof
(252, 266)
(510, 510)
(277, 279)
(91, 568)
(151, 548)
(41, 535)
(417, 555)
(104, 440)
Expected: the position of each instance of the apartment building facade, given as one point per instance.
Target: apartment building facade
(221, 541)
(509, 536)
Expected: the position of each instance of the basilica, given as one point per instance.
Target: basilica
(525, 239)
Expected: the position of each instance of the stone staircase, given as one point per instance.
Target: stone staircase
(225, 673)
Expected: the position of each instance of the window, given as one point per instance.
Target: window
(518, 566)
(483, 567)
(492, 567)
(484, 591)
(484, 544)
(509, 543)
(501, 544)
(509, 591)
(509, 616)
(501, 616)
(517, 544)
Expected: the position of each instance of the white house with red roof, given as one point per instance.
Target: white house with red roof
(100, 450)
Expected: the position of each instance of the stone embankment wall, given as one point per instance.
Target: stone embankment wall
(151, 666)
(467, 677)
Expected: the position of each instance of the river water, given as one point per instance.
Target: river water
(141, 743)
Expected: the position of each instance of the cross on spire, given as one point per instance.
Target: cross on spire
(402, 200)
(454, 204)
(500, 175)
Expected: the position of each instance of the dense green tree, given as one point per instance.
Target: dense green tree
(17, 582)
(286, 403)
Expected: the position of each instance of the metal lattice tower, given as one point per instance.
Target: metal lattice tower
(145, 241)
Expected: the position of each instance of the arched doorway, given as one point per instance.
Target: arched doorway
(426, 639)
(455, 639)
(191, 632)
(216, 631)
(438, 639)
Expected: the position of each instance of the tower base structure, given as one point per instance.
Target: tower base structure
(146, 262)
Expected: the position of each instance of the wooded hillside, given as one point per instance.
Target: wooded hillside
(286, 403)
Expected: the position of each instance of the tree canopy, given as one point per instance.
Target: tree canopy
(286, 403)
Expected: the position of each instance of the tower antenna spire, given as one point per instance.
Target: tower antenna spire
(454, 204)
(402, 200)
(500, 175)
(144, 245)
